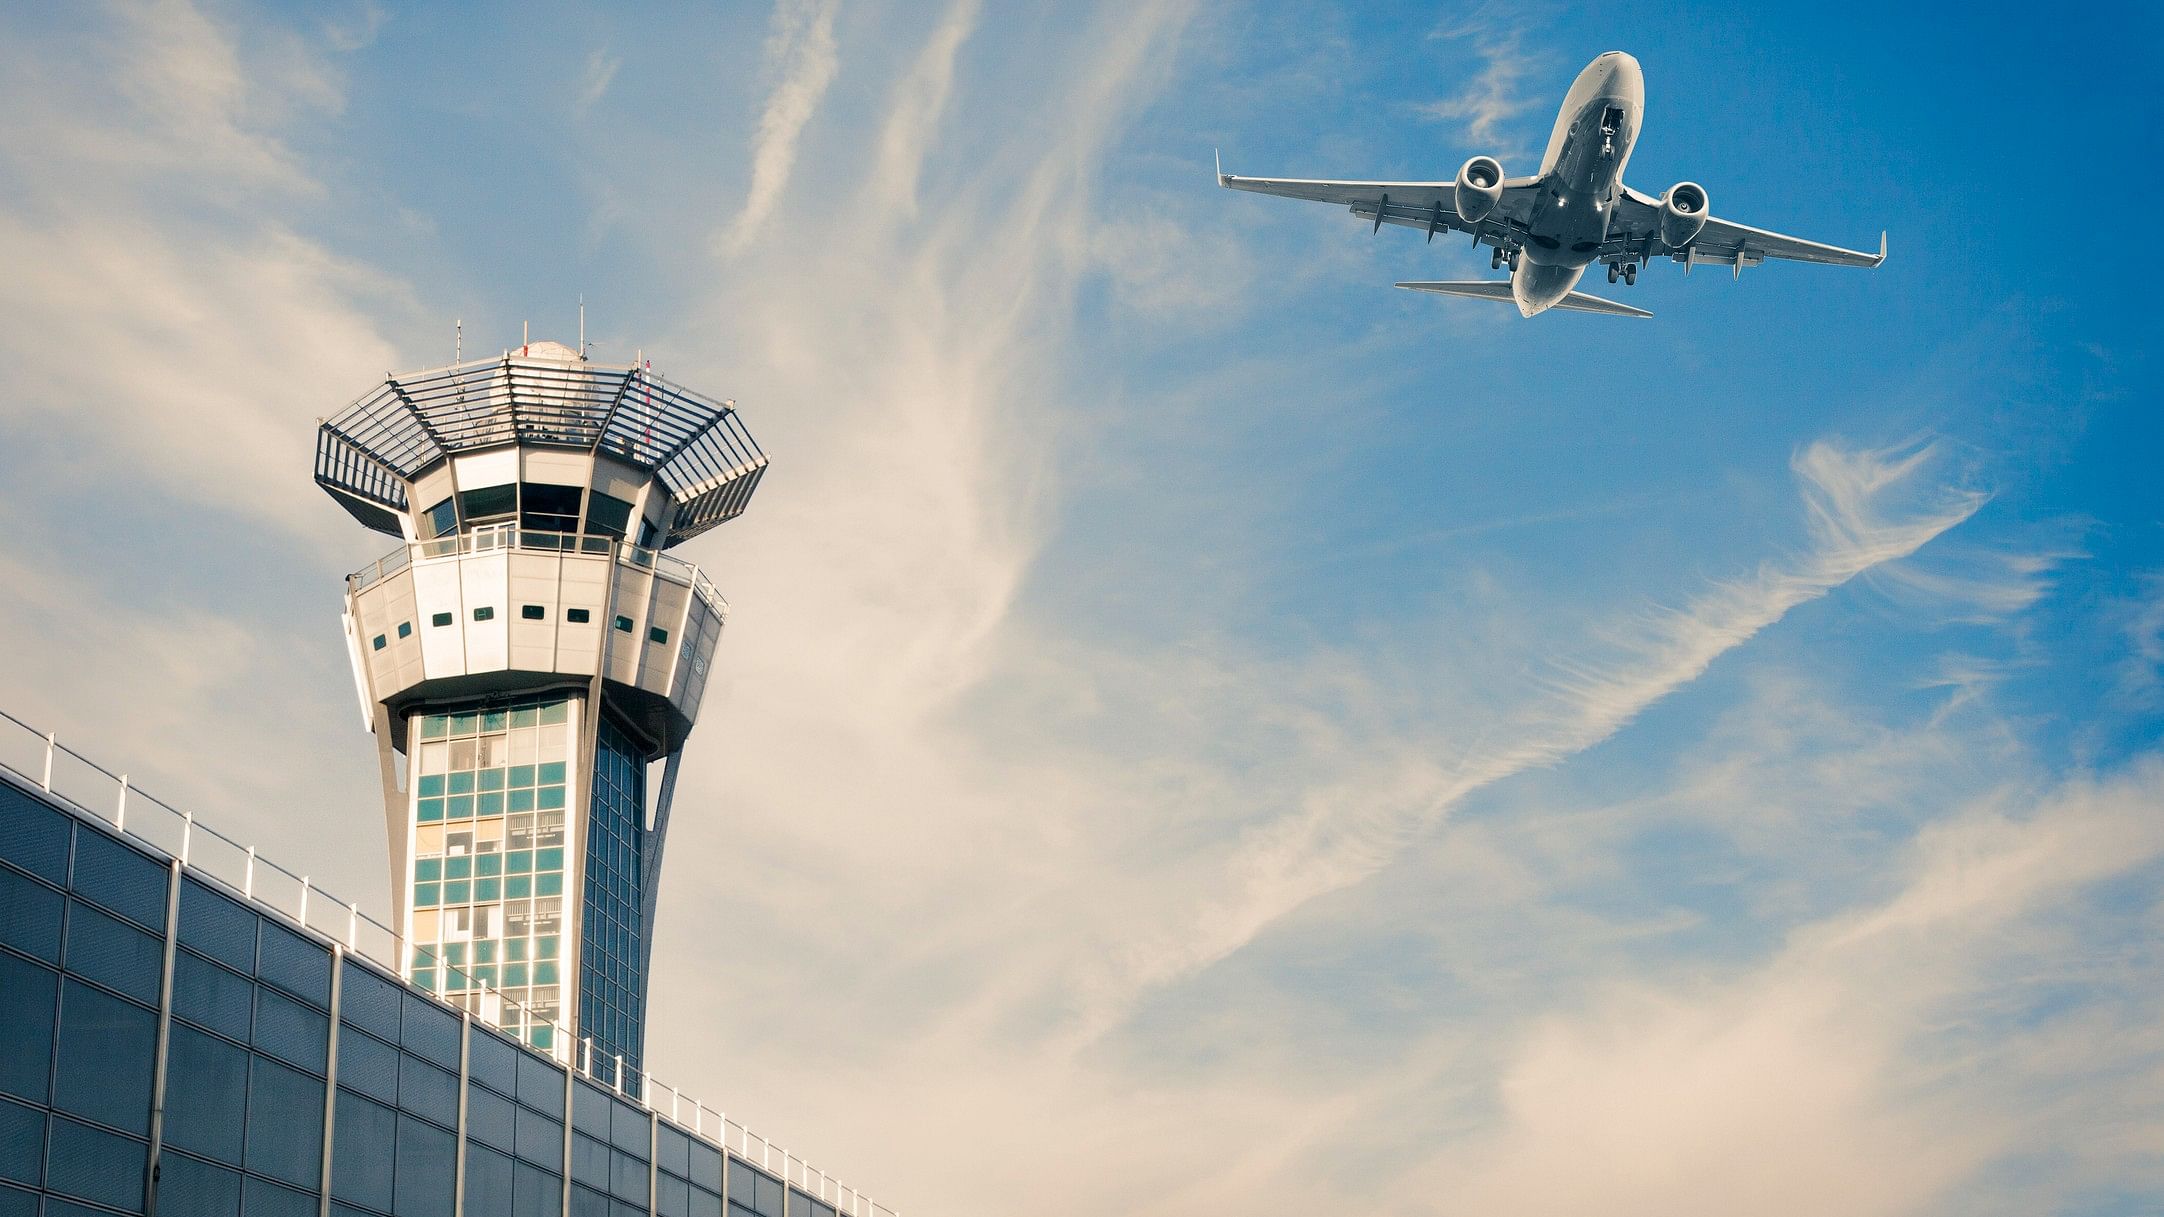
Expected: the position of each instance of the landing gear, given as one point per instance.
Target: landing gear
(1630, 274)
(1513, 260)
(1495, 259)
(1613, 272)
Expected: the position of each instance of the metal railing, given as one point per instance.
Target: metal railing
(493, 538)
(38, 760)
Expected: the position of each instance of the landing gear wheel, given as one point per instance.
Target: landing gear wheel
(1613, 273)
(1514, 261)
(1630, 276)
(1495, 259)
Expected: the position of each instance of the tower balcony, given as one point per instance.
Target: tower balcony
(505, 610)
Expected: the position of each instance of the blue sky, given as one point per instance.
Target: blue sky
(1199, 729)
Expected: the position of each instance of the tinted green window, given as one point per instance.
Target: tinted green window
(426, 895)
(488, 889)
(521, 775)
(550, 773)
(551, 884)
(489, 779)
(551, 797)
(522, 800)
(432, 785)
(488, 864)
(431, 810)
(460, 867)
(484, 613)
(532, 612)
(624, 624)
(658, 634)
(577, 616)
(405, 629)
(428, 870)
(442, 519)
(518, 887)
(380, 642)
(459, 892)
(440, 619)
(488, 805)
(488, 503)
(462, 782)
(607, 515)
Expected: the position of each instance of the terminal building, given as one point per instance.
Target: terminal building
(189, 1029)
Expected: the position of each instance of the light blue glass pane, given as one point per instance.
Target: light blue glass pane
(495, 720)
(491, 1118)
(462, 782)
(549, 798)
(521, 775)
(434, 726)
(296, 965)
(525, 716)
(672, 1197)
(485, 890)
(426, 1161)
(550, 774)
(430, 811)
(206, 1095)
(705, 1203)
(217, 926)
(369, 1000)
(291, 1031)
(489, 1183)
(263, 1199)
(37, 836)
(117, 877)
(188, 1187)
(29, 998)
(285, 1124)
(458, 807)
(460, 867)
(427, 896)
(106, 1055)
(549, 859)
(30, 915)
(488, 804)
(22, 1142)
(553, 712)
(113, 953)
(430, 1031)
(428, 870)
(367, 1064)
(520, 800)
(95, 1165)
(627, 1177)
(490, 779)
(431, 786)
(590, 1161)
(551, 884)
(428, 1091)
(210, 996)
(539, 1190)
(362, 1143)
(458, 891)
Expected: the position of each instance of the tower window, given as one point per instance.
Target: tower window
(440, 619)
(488, 504)
(658, 634)
(624, 624)
(405, 629)
(484, 613)
(381, 642)
(442, 519)
(533, 612)
(577, 616)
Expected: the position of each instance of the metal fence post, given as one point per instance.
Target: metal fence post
(120, 812)
(49, 746)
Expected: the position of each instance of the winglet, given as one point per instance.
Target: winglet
(1881, 248)
(1220, 159)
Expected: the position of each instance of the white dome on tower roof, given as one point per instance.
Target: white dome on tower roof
(547, 350)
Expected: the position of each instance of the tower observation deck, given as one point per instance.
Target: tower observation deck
(524, 657)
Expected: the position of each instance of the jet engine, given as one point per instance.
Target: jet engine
(1480, 188)
(1683, 214)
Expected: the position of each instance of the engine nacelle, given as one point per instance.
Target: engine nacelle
(1683, 214)
(1480, 188)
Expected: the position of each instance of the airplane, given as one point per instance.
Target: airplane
(1549, 228)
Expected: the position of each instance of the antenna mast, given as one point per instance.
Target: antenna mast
(582, 325)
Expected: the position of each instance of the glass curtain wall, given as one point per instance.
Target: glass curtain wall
(612, 993)
(490, 790)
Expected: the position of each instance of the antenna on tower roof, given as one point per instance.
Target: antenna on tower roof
(525, 338)
(458, 340)
(582, 326)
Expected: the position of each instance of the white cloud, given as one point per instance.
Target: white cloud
(802, 51)
(594, 81)
(1489, 103)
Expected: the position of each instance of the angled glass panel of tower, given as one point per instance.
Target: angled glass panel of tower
(524, 655)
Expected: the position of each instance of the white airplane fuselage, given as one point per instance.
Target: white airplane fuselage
(1580, 176)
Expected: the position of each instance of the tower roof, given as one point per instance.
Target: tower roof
(542, 395)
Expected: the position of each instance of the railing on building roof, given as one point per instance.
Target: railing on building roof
(38, 760)
(493, 538)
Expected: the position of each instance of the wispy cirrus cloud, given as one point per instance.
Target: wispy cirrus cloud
(1487, 105)
(802, 52)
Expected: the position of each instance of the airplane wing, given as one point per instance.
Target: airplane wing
(1423, 205)
(1635, 234)
(1499, 290)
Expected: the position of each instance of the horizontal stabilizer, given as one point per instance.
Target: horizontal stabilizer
(1499, 290)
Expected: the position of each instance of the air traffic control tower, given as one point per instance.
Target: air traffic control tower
(525, 657)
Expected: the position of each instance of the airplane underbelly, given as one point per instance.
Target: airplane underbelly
(1537, 286)
(1569, 235)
